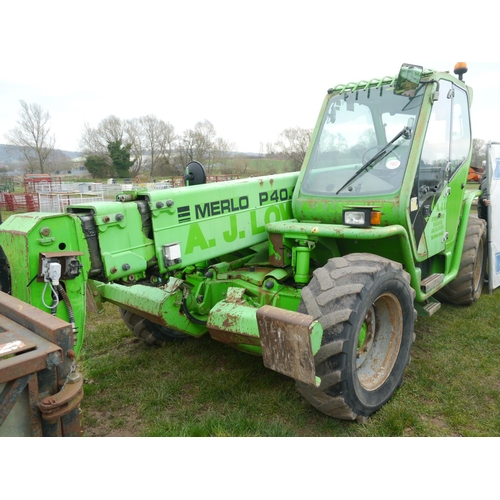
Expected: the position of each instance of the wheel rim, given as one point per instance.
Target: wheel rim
(379, 341)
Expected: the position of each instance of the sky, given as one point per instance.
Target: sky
(251, 68)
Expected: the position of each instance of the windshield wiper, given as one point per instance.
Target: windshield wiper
(406, 133)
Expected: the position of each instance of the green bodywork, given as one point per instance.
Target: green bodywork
(206, 258)
(24, 238)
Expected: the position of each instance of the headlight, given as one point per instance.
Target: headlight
(361, 217)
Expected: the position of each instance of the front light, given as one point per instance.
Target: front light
(354, 218)
(362, 217)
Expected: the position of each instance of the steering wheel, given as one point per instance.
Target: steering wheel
(381, 167)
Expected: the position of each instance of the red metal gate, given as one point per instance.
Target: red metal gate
(20, 202)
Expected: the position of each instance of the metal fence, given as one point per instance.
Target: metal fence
(57, 202)
(56, 195)
(20, 202)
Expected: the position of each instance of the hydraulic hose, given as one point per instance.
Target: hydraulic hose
(71, 314)
(189, 315)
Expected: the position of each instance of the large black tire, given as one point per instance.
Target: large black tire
(365, 304)
(148, 331)
(466, 288)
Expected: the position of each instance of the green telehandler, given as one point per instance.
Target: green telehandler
(322, 272)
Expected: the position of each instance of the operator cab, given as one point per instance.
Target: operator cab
(394, 147)
(364, 141)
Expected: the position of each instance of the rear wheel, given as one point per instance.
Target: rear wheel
(148, 331)
(466, 288)
(365, 305)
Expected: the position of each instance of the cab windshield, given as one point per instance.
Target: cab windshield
(364, 142)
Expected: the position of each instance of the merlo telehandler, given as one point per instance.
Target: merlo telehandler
(322, 272)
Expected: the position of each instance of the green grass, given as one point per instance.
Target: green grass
(199, 387)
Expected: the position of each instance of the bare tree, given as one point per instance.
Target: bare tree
(293, 143)
(32, 136)
(159, 139)
(205, 136)
(58, 162)
(113, 129)
(222, 154)
(199, 144)
(240, 164)
(136, 143)
(91, 143)
(95, 141)
(151, 142)
(167, 144)
(187, 147)
(270, 149)
(154, 147)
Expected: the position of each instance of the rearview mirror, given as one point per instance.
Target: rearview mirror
(408, 80)
(195, 174)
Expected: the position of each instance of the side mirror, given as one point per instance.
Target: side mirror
(195, 174)
(408, 80)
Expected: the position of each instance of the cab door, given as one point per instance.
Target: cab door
(436, 198)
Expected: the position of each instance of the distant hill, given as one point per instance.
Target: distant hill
(10, 156)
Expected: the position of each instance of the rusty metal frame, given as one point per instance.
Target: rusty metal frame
(41, 361)
(287, 339)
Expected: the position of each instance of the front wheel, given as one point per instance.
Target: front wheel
(365, 304)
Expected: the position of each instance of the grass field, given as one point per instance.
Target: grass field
(198, 387)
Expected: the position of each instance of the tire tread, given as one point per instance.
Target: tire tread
(333, 303)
